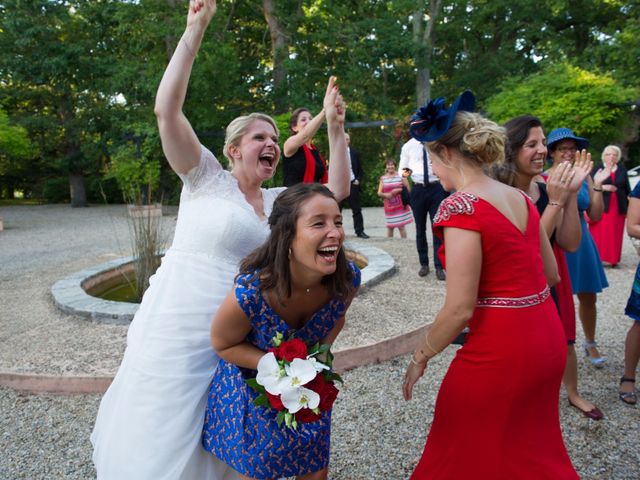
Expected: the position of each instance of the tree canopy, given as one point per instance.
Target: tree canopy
(563, 95)
(79, 76)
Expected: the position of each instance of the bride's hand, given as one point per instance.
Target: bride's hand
(200, 13)
(333, 103)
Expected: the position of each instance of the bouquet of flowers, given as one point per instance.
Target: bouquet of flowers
(292, 381)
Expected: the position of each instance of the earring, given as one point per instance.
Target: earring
(289, 254)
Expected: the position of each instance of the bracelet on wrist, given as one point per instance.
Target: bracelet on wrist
(415, 362)
(426, 339)
(597, 189)
(555, 204)
(189, 50)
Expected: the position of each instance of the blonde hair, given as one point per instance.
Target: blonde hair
(479, 139)
(239, 126)
(615, 148)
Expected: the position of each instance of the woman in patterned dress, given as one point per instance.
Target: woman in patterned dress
(300, 285)
(627, 389)
(496, 414)
(396, 214)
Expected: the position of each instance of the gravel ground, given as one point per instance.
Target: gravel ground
(376, 435)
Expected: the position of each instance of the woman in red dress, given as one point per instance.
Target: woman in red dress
(608, 231)
(496, 415)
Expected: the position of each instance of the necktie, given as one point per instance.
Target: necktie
(425, 166)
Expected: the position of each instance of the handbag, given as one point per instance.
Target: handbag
(405, 196)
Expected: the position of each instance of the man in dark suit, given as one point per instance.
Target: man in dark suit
(354, 197)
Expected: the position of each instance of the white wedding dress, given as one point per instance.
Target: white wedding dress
(150, 420)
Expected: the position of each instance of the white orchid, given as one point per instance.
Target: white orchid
(270, 375)
(299, 372)
(319, 366)
(297, 398)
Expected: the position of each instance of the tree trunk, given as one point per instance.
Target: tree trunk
(77, 190)
(279, 53)
(11, 189)
(423, 23)
(170, 42)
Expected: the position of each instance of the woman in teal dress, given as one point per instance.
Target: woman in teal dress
(298, 284)
(585, 267)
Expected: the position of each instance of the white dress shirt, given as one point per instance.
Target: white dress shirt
(411, 157)
(353, 177)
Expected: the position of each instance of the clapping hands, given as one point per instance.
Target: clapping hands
(566, 179)
(560, 182)
(601, 175)
(582, 166)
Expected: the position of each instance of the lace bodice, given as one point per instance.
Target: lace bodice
(214, 218)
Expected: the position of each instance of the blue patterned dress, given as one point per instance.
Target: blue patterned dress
(247, 437)
(633, 304)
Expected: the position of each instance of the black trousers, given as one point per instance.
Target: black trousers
(356, 208)
(425, 200)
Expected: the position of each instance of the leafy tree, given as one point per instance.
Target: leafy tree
(15, 148)
(49, 65)
(81, 75)
(618, 51)
(592, 104)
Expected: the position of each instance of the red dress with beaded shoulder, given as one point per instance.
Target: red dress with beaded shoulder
(496, 415)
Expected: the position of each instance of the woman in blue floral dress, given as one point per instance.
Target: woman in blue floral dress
(627, 390)
(299, 284)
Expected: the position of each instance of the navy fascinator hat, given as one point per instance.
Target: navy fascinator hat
(432, 121)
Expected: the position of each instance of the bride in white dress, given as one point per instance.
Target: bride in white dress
(150, 421)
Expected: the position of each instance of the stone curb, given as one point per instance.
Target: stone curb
(67, 385)
(380, 264)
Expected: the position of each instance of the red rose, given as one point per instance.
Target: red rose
(328, 396)
(291, 349)
(306, 415)
(327, 391)
(317, 384)
(275, 401)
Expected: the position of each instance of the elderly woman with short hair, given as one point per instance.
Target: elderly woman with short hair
(608, 231)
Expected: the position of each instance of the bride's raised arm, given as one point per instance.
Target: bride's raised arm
(179, 141)
(339, 175)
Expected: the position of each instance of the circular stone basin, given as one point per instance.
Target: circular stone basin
(120, 285)
(75, 294)
(117, 284)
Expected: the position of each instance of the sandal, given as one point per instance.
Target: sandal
(597, 362)
(630, 398)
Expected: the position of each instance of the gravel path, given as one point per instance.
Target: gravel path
(376, 435)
